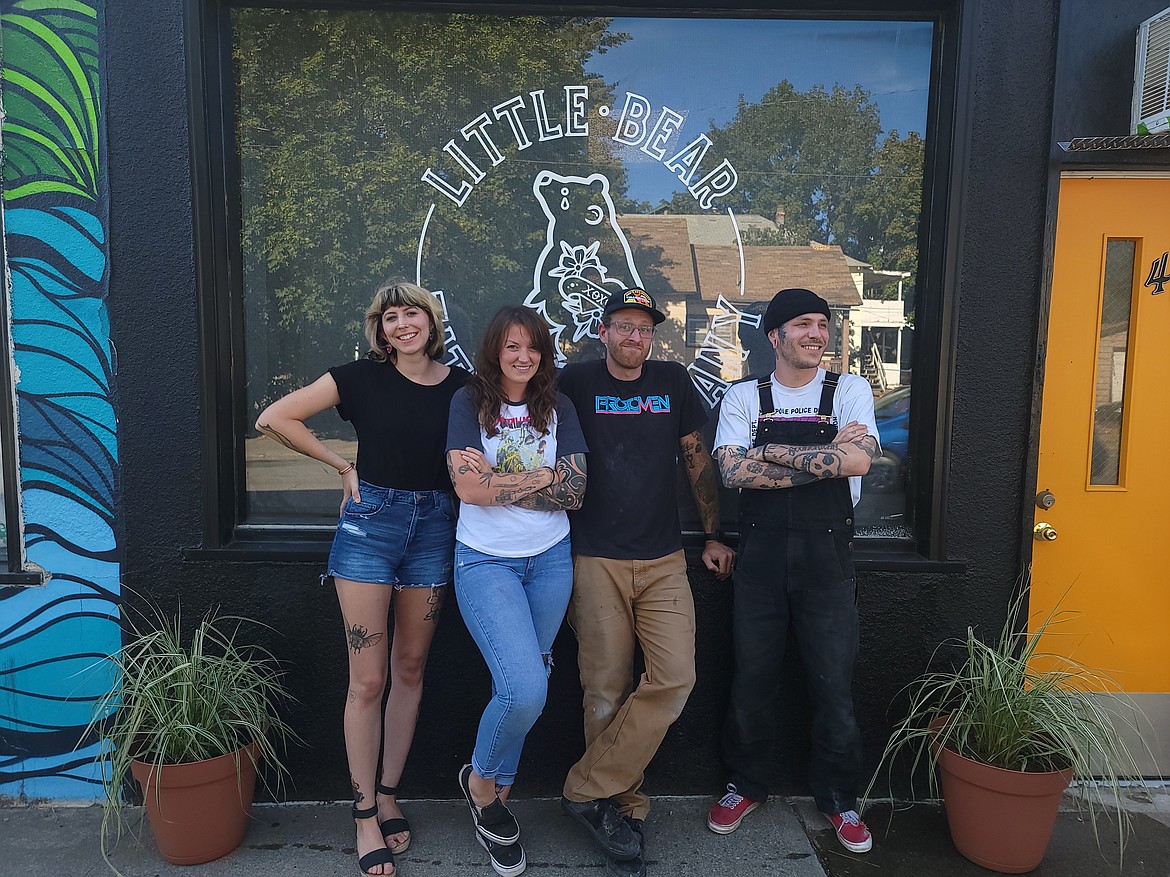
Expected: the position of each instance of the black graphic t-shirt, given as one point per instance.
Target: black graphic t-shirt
(633, 430)
(401, 426)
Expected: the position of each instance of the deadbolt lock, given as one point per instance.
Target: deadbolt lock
(1044, 532)
(1045, 499)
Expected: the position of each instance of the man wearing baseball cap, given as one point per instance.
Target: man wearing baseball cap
(630, 585)
(796, 442)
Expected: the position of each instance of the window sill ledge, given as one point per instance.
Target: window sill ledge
(266, 551)
(27, 578)
(881, 556)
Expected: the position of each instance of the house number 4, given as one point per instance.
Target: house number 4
(1158, 277)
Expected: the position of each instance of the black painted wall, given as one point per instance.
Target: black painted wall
(1094, 68)
(997, 253)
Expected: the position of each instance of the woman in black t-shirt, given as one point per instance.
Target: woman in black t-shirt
(394, 542)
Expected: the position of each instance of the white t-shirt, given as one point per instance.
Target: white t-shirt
(740, 411)
(508, 530)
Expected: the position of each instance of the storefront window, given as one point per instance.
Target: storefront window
(549, 160)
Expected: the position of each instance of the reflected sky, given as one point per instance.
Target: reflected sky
(701, 67)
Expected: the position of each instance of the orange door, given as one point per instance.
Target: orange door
(1104, 473)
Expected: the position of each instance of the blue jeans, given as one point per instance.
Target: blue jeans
(513, 607)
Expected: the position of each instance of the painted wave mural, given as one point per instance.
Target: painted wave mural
(55, 212)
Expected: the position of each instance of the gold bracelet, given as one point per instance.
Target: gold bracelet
(348, 468)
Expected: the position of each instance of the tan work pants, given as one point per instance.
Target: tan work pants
(614, 604)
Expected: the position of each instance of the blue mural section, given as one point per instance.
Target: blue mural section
(53, 639)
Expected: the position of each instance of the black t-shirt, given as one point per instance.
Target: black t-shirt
(633, 430)
(401, 426)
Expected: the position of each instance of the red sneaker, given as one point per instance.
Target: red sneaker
(728, 812)
(851, 831)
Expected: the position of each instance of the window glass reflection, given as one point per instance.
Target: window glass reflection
(1116, 298)
(551, 160)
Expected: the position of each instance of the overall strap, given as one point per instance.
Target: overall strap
(765, 387)
(828, 390)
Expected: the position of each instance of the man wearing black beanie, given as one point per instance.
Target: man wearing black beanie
(796, 442)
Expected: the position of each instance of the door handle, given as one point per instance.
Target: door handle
(1044, 532)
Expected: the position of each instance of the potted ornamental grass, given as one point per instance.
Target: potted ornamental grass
(1003, 733)
(190, 716)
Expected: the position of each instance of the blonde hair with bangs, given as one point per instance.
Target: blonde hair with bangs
(403, 294)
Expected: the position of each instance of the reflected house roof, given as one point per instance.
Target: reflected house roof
(689, 255)
(662, 244)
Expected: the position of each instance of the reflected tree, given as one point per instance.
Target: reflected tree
(338, 115)
(818, 157)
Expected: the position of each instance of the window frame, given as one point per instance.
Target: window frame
(218, 260)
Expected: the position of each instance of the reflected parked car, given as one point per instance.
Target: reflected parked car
(892, 414)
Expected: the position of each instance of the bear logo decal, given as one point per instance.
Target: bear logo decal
(586, 256)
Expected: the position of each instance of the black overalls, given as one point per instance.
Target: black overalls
(795, 571)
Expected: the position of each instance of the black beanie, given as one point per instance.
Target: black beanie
(789, 303)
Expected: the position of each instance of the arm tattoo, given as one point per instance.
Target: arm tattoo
(503, 488)
(566, 493)
(704, 484)
(820, 461)
(515, 487)
(277, 435)
(741, 471)
(869, 444)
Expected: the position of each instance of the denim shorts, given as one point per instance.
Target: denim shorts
(394, 537)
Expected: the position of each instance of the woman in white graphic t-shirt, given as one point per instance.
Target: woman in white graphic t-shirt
(517, 460)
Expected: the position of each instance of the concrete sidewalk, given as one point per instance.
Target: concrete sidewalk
(317, 840)
(785, 838)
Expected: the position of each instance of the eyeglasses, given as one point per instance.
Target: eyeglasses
(627, 328)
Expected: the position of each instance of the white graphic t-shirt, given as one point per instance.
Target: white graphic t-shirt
(508, 530)
(740, 412)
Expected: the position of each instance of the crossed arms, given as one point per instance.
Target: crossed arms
(546, 489)
(776, 466)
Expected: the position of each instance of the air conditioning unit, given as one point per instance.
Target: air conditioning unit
(1151, 78)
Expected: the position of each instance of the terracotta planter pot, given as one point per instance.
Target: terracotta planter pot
(199, 811)
(1000, 819)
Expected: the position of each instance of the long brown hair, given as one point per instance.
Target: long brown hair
(540, 395)
(403, 294)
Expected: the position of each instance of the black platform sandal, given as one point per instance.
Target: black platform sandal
(373, 858)
(398, 824)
